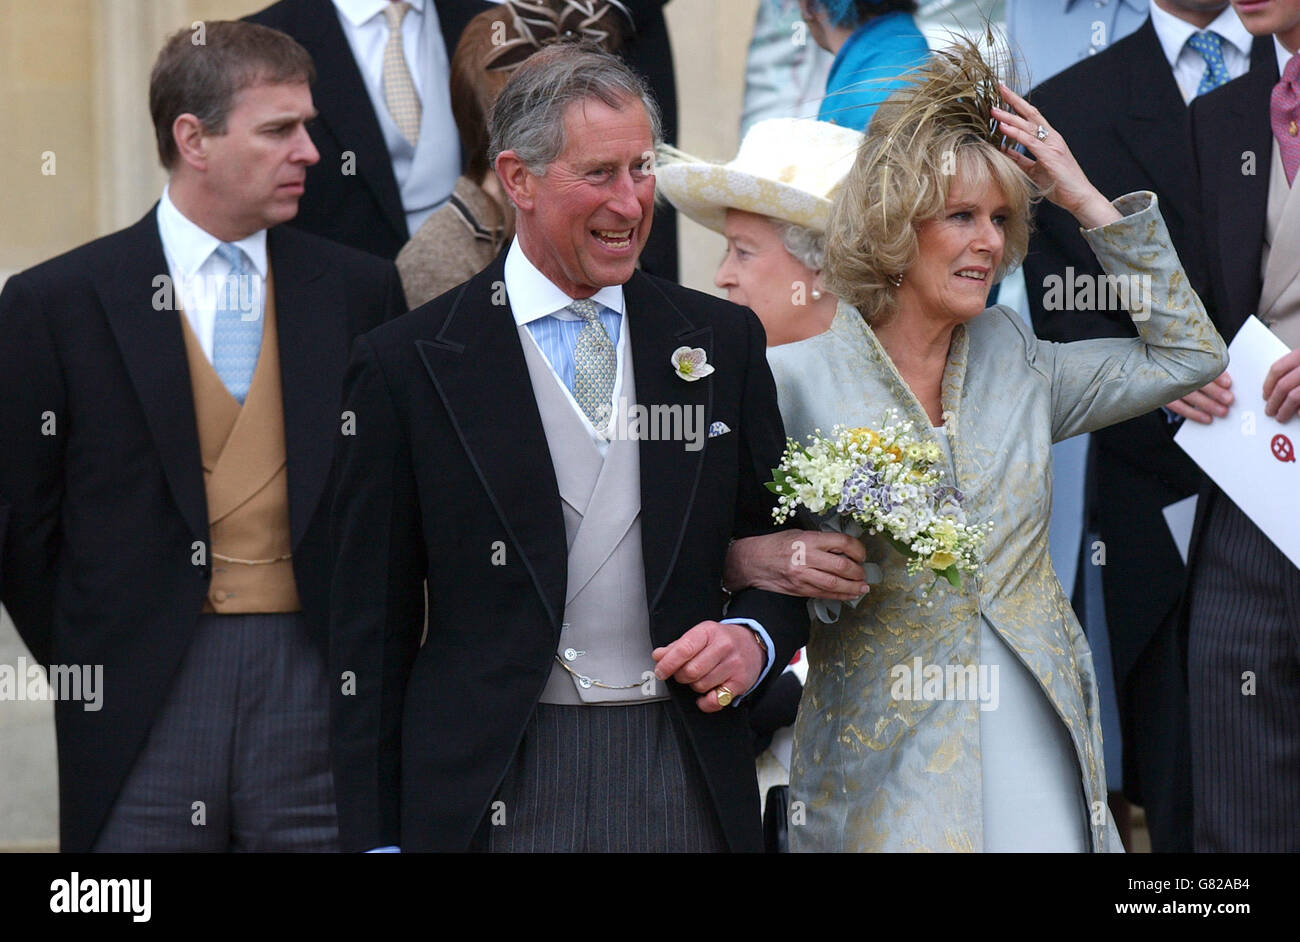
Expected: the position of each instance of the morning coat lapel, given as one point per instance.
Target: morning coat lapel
(1154, 119)
(1243, 198)
(477, 366)
(313, 336)
(345, 108)
(152, 346)
(670, 475)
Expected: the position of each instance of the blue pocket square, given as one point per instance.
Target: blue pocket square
(718, 428)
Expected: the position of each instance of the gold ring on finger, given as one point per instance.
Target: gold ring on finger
(725, 696)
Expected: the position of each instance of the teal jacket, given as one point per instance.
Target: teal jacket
(879, 50)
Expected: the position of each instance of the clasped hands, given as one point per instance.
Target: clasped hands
(1281, 394)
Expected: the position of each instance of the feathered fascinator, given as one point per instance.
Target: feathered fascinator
(957, 88)
(539, 24)
(951, 96)
(938, 125)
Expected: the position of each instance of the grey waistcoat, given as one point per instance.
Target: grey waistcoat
(606, 634)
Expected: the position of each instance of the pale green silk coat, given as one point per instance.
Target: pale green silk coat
(875, 773)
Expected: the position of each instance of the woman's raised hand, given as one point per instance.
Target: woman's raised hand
(1053, 168)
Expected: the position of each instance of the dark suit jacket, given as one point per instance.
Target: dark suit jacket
(1125, 121)
(106, 515)
(450, 457)
(363, 210)
(1231, 135)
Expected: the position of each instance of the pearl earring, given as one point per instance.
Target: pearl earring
(896, 280)
(816, 295)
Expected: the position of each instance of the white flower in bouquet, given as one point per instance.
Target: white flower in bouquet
(888, 482)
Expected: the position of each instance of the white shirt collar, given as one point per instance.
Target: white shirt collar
(359, 11)
(1173, 33)
(533, 296)
(1139, 5)
(190, 244)
(1283, 55)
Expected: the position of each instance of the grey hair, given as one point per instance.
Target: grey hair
(528, 116)
(808, 246)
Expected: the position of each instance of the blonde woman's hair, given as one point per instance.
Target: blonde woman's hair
(919, 141)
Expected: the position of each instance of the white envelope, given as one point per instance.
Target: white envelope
(1249, 455)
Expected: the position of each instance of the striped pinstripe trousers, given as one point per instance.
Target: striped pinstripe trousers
(1244, 689)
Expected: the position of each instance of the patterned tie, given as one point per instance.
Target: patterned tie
(1284, 110)
(237, 335)
(594, 364)
(1210, 46)
(399, 90)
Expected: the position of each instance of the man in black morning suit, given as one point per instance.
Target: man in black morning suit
(572, 689)
(1243, 610)
(362, 208)
(115, 552)
(365, 210)
(1126, 118)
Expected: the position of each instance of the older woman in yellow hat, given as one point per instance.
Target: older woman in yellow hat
(772, 202)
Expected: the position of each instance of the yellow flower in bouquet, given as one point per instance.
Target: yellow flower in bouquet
(941, 560)
(889, 483)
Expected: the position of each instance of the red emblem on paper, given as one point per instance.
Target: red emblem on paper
(1282, 449)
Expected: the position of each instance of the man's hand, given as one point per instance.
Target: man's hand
(709, 655)
(1209, 401)
(798, 562)
(1282, 388)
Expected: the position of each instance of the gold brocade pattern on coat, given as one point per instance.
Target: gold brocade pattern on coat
(875, 773)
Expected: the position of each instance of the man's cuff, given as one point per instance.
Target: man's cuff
(767, 643)
(390, 849)
(1170, 416)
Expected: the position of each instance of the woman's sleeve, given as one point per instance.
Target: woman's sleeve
(1096, 383)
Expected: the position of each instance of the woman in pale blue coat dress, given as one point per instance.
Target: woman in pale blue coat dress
(1005, 753)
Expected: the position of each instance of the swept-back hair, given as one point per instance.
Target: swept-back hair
(528, 115)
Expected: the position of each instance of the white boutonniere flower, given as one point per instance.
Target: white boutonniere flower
(691, 363)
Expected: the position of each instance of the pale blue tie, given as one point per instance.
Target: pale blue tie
(1210, 46)
(237, 334)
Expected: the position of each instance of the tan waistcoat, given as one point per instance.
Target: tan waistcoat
(245, 475)
(1279, 299)
(606, 633)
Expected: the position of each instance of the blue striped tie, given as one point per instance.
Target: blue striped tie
(237, 334)
(1210, 46)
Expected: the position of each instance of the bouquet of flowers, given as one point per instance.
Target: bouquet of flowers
(888, 482)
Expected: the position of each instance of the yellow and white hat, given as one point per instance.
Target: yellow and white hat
(787, 168)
